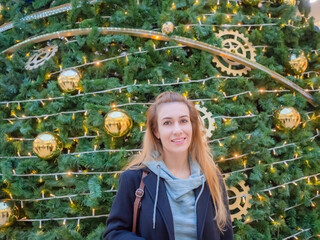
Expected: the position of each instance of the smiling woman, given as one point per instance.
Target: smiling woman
(185, 196)
(175, 133)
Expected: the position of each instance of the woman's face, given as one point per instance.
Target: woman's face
(174, 127)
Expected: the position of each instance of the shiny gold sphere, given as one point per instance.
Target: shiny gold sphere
(287, 118)
(69, 80)
(5, 213)
(47, 145)
(289, 2)
(117, 123)
(251, 2)
(298, 63)
(167, 28)
(1, 7)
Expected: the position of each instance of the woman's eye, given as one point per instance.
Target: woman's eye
(184, 120)
(166, 123)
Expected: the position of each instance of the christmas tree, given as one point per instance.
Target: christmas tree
(77, 78)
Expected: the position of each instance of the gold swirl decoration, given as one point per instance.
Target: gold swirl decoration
(43, 14)
(162, 37)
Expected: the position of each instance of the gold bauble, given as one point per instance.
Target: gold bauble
(251, 2)
(167, 28)
(47, 145)
(117, 123)
(287, 118)
(1, 8)
(289, 2)
(298, 63)
(69, 80)
(5, 213)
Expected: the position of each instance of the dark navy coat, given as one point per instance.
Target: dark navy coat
(119, 223)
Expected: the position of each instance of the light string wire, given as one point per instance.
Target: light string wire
(92, 63)
(106, 215)
(67, 7)
(52, 196)
(209, 141)
(285, 144)
(119, 172)
(119, 88)
(70, 173)
(296, 234)
(283, 185)
(124, 87)
(233, 96)
(270, 149)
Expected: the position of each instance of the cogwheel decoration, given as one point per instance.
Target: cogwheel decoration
(237, 43)
(206, 117)
(41, 56)
(240, 205)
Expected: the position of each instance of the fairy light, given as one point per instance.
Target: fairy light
(93, 211)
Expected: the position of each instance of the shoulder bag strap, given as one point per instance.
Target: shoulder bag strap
(137, 202)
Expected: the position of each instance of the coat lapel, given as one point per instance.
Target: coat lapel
(202, 207)
(163, 204)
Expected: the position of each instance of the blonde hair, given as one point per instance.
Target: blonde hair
(199, 150)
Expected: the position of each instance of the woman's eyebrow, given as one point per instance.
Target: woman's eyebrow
(164, 118)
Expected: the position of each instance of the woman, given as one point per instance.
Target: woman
(184, 196)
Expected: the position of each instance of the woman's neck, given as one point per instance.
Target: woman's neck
(178, 164)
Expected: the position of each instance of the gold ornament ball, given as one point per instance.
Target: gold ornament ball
(47, 145)
(290, 2)
(298, 63)
(1, 8)
(251, 2)
(117, 123)
(5, 213)
(167, 28)
(287, 118)
(69, 80)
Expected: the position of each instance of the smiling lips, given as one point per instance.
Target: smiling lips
(178, 140)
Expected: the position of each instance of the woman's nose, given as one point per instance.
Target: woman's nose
(177, 128)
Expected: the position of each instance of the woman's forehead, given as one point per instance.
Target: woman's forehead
(172, 110)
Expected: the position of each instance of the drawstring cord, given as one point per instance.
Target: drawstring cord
(202, 187)
(156, 198)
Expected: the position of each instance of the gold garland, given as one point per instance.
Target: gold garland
(162, 37)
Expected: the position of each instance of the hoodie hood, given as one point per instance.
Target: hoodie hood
(176, 188)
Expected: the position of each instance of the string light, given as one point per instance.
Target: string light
(296, 234)
(52, 196)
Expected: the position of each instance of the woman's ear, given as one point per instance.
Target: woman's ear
(156, 133)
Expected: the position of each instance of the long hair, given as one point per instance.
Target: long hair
(199, 151)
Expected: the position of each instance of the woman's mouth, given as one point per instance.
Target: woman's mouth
(178, 140)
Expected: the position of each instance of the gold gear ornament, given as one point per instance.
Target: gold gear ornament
(206, 115)
(41, 56)
(240, 205)
(237, 43)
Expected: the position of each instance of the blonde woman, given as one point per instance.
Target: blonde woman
(184, 196)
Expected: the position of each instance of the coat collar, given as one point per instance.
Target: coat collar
(164, 208)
